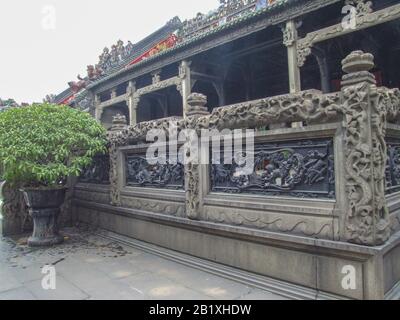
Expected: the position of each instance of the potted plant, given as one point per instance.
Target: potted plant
(40, 147)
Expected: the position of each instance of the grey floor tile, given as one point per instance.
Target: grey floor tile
(65, 290)
(91, 267)
(256, 294)
(17, 294)
(7, 280)
(28, 273)
(159, 288)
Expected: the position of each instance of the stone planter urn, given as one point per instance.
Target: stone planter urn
(44, 208)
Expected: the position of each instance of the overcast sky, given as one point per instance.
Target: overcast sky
(47, 43)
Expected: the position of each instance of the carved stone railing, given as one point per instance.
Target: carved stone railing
(98, 172)
(348, 167)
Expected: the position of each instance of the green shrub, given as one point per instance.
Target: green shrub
(43, 144)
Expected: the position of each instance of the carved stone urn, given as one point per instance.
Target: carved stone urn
(44, 208)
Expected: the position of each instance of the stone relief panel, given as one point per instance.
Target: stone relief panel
(393, 166)
(93, 196)
(301, 169)
(322, 228)
(139, 173)
(98, 172)
(154, 206)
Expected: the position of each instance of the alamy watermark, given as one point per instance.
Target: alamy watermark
(49, 18)
(349, 22)
(49, 279)
(187, 147)
(349, 281)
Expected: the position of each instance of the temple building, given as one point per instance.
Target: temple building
(319, 216)
(244, 50)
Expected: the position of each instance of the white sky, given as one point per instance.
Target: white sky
(36, 59)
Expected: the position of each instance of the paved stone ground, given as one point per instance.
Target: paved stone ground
(90, 267)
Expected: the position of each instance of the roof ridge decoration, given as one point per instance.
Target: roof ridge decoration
(228, 11)
(122, 57)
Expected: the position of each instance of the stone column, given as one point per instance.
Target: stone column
(98, 109)
(185, 87)
(290, 37)
(193, 169)
(366, 220)
(219, 87)
(132, 102)
(320, 55)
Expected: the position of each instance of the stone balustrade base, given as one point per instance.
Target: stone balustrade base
(321, 266)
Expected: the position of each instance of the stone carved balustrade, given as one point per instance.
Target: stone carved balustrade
(364, 111)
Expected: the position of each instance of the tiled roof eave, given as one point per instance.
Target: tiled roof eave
(278, 5)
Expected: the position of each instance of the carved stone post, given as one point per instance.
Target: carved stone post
(185, 88)
(193, 181)
(367, 218)
(116, 138)
(119, 123)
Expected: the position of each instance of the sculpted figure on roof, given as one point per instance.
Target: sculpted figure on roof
(94, 72)
(114, 55)
(120, 49)
(128, 49)
(105, 59)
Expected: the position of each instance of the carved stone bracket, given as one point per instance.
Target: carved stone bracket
(289, 35)
(159, 86)
(365, 18)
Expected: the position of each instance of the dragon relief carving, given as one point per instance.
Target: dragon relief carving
(363, 7)
(367, 219)
(141, 173)
(192, 190)
(176, 210)
(307, 106)
(277, 223)
(303, 169)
